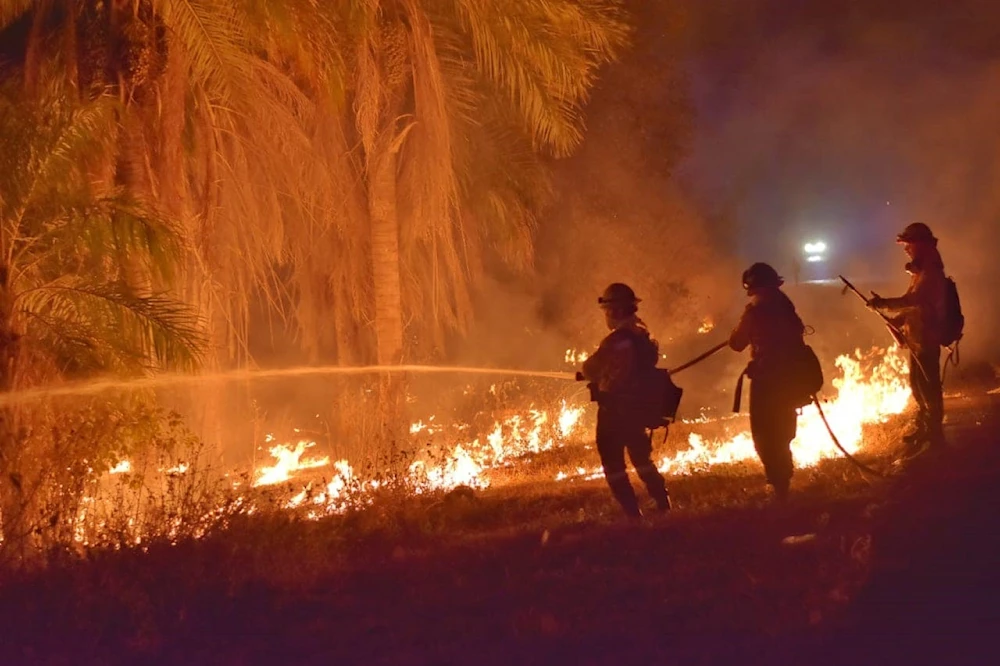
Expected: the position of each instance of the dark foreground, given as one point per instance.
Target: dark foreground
(897, 571)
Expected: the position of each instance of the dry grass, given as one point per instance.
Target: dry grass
(403, 578)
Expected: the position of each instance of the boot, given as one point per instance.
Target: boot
(935, 438)
(625, 495)
(913, 441)
(917, 434)
(663, 503)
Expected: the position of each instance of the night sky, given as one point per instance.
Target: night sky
(844, 120)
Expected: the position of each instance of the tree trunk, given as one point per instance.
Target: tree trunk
(388, 294)
(385, 259)
(34, 53)
(11, 497)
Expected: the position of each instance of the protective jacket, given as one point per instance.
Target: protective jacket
(921, 309)
(772, 329)
(615, 368)
(770, 326)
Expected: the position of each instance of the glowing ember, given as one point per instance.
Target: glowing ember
(289, 461)
(707, 326)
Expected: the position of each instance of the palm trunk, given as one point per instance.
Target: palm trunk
(385, 259)
(388, 294)
(11, 498)
(35, 52)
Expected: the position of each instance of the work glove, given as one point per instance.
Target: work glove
(876, 303)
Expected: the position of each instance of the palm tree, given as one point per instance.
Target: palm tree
(84, 273)
(453, 105)
(212, 128)
(376, 149)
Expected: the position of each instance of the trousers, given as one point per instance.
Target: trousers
(925, 383)
(616, 434)
(773, 422)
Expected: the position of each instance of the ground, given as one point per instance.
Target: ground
(895, 570)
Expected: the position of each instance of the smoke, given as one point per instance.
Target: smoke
(733, 133)
(850, 128)
(620, 215)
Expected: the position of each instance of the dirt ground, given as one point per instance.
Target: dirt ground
(900, 570)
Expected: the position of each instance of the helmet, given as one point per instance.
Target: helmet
(617, 294)
(761, 275)
(918, 232)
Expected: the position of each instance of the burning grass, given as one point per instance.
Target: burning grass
(172, 492)
(406, 575)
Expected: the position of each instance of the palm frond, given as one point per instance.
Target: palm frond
(214, 37)
(113, 226)
(543, 56)
(55, 138)
(11, 10)
(156, 328)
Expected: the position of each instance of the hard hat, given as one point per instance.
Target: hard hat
(761, 275)
(918, 232)
(617, 294)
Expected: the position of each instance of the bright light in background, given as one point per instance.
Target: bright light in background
(814, 258)
(819, 247)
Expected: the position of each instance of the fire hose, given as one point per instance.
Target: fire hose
(819, 408)
(699, 359)
(829, 429)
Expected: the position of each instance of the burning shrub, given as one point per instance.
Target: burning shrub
(112, 473)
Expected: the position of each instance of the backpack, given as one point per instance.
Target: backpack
(954, 320)
(801, 375)
(805, 375)
(653, 400)
(659, 399)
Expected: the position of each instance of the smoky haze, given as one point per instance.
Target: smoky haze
(734, 132)
(620, 215)
(847, 122)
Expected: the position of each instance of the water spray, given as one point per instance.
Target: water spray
(161, 381)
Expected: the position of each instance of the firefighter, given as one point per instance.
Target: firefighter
(614, 373)
(770, 327)
(920, 314)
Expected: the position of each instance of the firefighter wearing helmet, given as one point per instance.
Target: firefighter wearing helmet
(920, 314)
(770, 326)
(613, 372)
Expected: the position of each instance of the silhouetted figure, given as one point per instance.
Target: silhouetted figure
(920, 314)
(770, 327)
(614, 372)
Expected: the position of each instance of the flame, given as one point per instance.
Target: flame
(289, 461)
(859, 401)
(568, 418)
(574, 357)
(460, 470)
(707, 326)
(862, 398)
(868, 390)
